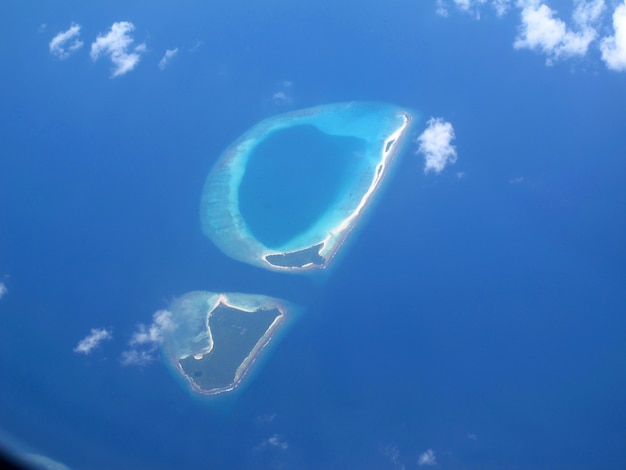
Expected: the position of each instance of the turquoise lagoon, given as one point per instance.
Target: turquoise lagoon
(285, 195)
(217, 337)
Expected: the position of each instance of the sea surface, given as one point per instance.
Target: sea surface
(476, 319)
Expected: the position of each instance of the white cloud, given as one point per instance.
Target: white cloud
(169, 54)
(116, 44)
(588, 12)
(280, 97)
(614, 47)
(393, 454)
(147, 339)
(441, 9)
(427, 458)
(467, 5)
(501, 6)
(540, 30)
(66, 42)
(153, 334)
(473, 7)
(133, 357)
(3, 289)
(276, 441)
(435, 145)
(91, 341)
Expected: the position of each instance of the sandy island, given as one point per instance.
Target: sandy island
(248, 362)
(329, 246)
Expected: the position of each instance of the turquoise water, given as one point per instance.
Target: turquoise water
(291, 179)
(300, 181)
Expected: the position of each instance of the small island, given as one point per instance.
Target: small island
(218, 337)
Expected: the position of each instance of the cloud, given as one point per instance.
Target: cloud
(469, 6)
(3, 290)
(427, 458)
(540, 30)
(169, 54)
(501, 6)
(435, 145)
(147, 339)
(66, 42)
(473, 6)
(275, 441)
(91, 341)
(588, 12)
(393, 454)
(282, 95)
(116, 44)
(441, 8)
(133, 357)
(613, 48)
(197, 44)
(153, 334)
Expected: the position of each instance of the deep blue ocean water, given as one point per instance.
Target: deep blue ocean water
(479, 313)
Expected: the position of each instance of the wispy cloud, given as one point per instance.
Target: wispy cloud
(427, 458)
(167, 57)
(393, 454)
(153, 334)
(133, 357)
(501, 6)
(3, 289)
(588, 12)
(281, 96)
(435, 144)
(275, 441)
(472, 6)
(66, 42)
(117, 45)
(441, 9)
(469, 6)
(93, 340)
(144, 342)
(614, 47)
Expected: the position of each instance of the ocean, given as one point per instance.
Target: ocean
(474, 320)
